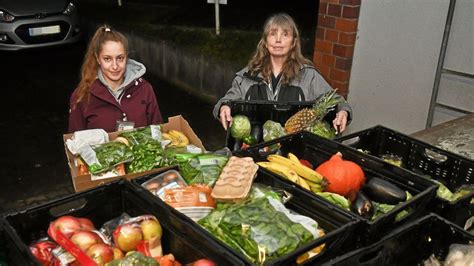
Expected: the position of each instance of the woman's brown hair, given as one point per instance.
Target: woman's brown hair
(260, 62)
(90, 65)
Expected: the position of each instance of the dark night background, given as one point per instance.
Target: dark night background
(36, 85)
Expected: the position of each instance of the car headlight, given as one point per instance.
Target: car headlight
(69, 9)
(5, 17)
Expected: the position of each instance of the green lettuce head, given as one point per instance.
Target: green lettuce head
(240, 127)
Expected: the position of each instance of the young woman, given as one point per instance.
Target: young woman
(279, 72)
(112, 93)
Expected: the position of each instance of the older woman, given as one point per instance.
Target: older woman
(279, 72)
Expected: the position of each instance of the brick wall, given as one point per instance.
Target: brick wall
(335, 40)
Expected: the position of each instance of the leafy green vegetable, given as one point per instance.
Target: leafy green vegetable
(170, 155)
(110, 154)
(240, 127)
(382, 208)
(336, 199)
(445, 193)
(202, 168)
(393, 159)
(259, 228)
(147, 151)
(147, 155)
(462, 191)
(323, 129)
(272, 130)
(138, 135)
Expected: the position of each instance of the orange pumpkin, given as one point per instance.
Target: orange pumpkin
(342, 176)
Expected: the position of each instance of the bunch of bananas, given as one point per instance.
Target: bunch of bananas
(177, 138)
(291, 168)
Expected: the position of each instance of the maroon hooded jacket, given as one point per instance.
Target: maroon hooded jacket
(138, 104)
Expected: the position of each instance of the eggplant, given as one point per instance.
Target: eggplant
(361, 205)
(257, 132)
(382, 191)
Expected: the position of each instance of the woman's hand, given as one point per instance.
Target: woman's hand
(340, 121)
(224, 114)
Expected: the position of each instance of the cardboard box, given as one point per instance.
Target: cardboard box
(83, 182)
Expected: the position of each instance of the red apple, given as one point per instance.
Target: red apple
(203, 262)
(43, 251)
(118, 254)
(100, 253)
(84, 239)
(67, 225)
(127, 236)
(151, 228)
(86, 224)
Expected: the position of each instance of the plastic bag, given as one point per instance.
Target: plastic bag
(143, 134)
(146, 148)
(102, 157)
(460, 255)
(261, 227)
(203, 168)
(86, 137)
(147, 155)
(272, 130)
(141, 233)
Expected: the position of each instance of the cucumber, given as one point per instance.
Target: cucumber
(382, 191)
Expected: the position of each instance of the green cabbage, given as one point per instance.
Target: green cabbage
(240, 127)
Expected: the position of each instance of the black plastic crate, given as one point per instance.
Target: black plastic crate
(317, 150)
(102, 204)
(4, 258)
(261, 111)
(341, 227)
(410, 244)
(424, 159)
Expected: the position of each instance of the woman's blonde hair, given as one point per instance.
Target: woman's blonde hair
(260, 62)
(90, 65)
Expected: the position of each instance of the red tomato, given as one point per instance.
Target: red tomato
(306, 163)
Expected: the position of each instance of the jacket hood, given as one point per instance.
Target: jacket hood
(133, 71)
(32, 7)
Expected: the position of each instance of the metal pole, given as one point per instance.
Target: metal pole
(216, 5)
(442, 54)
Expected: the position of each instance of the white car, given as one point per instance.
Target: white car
(28, 24)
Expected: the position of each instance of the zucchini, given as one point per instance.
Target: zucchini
(382, 191)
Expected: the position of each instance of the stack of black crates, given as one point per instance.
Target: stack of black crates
(423, 159)
(433, 224)
(430, 225)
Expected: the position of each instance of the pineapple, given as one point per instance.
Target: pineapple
(307, 117)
